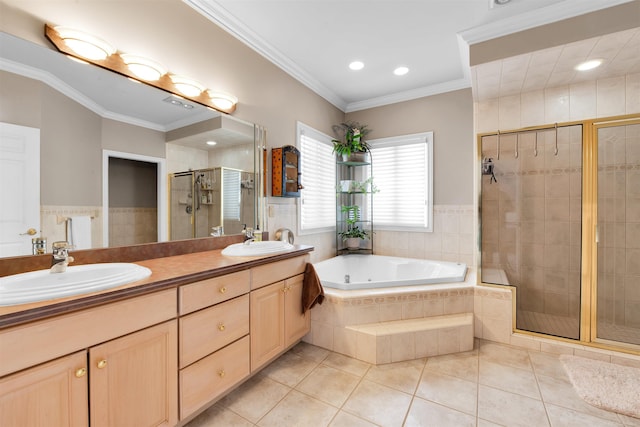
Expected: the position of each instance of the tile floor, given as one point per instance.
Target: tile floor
(492, 385)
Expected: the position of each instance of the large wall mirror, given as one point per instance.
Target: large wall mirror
(108, 147)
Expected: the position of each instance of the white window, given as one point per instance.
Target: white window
(403, 174)
(231, 194)
(317, 204)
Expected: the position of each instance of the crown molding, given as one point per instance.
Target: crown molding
(546, 15)
(409, 95)
(222, 18)
(62, 87)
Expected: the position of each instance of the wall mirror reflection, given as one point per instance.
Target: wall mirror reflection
(88, 153)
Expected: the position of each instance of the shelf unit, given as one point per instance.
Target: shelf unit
(354, 197)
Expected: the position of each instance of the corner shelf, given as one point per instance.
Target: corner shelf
(357, 171)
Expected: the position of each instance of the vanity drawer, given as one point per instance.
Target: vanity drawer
(212, 376)
(208, 330)
(277, 271)
(195, 296)
(27, 345)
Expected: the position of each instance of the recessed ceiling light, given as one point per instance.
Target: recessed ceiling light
(589, 65)
(211, 143)
(400, 71)
(356, 65)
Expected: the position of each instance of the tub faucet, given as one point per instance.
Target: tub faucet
(60, 257)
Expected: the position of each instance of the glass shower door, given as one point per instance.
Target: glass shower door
(618, 279)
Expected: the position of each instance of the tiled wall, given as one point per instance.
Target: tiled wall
(531, 218)
(452, 238)
(132, 226)
(53, 225)
(580, 101)
(619, 227)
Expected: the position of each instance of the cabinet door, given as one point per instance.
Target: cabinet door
(52, 394)
(296, 324)
(134, 379)
(267, 324)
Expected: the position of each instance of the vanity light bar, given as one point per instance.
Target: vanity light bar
(141, 69)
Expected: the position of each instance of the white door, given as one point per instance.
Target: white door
(19, 188)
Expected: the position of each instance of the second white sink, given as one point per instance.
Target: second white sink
(43, 285)
(257, 248)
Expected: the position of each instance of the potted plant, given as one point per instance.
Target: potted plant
(353, 234)
(350, 140)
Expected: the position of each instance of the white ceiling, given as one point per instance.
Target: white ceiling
(315, 40)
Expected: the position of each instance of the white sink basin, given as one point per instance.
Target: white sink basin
(43, 285)
(266, 247)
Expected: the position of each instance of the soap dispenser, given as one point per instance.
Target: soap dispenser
(257, 234)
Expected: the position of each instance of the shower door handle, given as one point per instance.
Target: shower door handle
(597, 234)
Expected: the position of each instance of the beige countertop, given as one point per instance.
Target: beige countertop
(168, 272)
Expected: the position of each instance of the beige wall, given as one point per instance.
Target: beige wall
(450, 117)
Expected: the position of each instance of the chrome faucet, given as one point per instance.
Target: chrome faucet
(60, 257)
(248, 235)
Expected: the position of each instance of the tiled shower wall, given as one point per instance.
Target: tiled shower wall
(531, 217)
(619, 227)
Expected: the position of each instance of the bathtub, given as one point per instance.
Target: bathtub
(376, 271)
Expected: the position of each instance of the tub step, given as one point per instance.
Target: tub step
(409, 339)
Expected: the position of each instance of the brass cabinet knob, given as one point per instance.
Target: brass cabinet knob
(81, 372)
(221, 373)
(102, 363)
(221, 327)
(223, 289)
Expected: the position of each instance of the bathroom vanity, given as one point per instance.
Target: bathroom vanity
(155, 352)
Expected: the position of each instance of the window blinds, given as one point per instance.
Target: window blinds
(317, 164)
(401, 173)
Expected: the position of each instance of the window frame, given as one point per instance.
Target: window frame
(427, 138)
(304, 129)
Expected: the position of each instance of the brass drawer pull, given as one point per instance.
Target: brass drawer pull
(102, 364)
(221, 327)
(223, 289)
(221, 373)
(81, 372)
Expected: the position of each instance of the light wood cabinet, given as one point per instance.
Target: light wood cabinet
(133, 379)
(277, 321)
(151, 360)
(296, 323)
(209, 378)
(51, 394)
(208, 330)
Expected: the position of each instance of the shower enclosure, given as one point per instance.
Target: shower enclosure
(560, 222)
(203, 199)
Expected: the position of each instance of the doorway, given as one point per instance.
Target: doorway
(137, 166)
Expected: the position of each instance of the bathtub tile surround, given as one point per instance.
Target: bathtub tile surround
(388, 324)
(452, 238)
(493, 384)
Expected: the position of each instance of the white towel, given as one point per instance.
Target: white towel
(80, 237)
